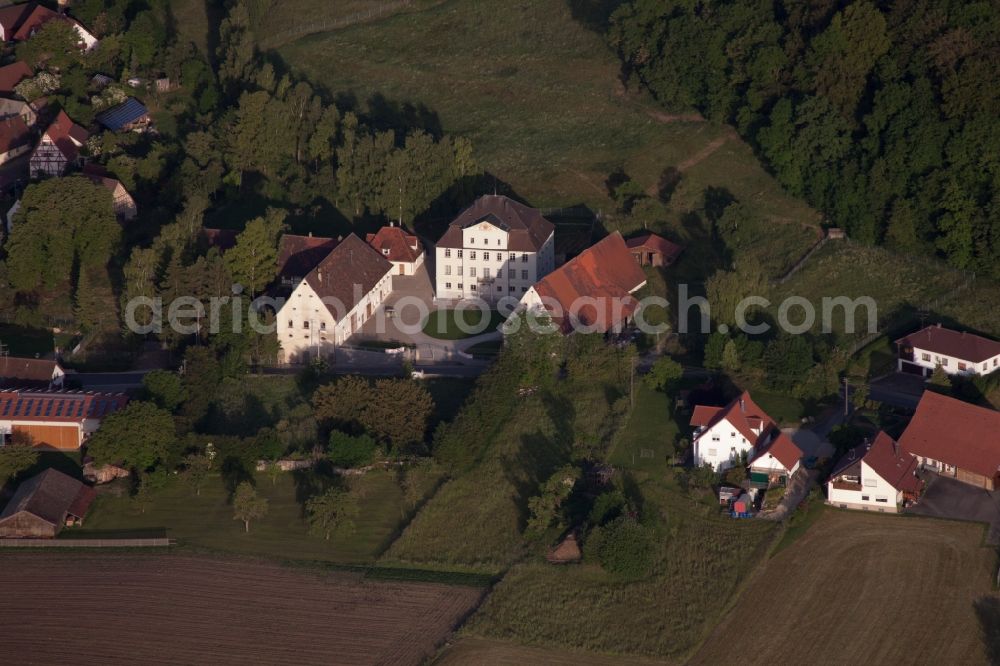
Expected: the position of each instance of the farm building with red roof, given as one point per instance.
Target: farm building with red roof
(61, 420)
(593, 291)
(12, 17)
(299, 255)
(404, 251)
(334, 300)
(957, 352)
(16, 372)
(722, 435)
(44, 504)
(874, 476)
(956, 439)
(650, 249)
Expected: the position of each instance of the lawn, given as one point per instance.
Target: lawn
(543, 105)
(703, 561)
(206, 521)
(647, 442)
(784, 409)
(896, 590)
(460, 324)
(24, 341)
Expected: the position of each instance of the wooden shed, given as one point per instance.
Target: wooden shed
(44, 504)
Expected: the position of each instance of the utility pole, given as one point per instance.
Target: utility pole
(846, 397)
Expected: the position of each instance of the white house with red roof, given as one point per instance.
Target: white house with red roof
(723, 434)
(58, 148)
(956, 439)
(957, 352)
(404, 251)
(874, 476)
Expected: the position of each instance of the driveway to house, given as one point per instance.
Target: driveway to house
(813, 442)
(948, 498)
(898, 389)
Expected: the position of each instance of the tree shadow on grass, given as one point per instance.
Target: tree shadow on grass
(988, 613)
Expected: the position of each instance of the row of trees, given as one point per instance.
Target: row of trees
(882, 115)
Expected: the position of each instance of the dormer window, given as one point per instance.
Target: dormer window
(385, 251)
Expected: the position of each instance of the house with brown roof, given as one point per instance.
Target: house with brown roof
(299, 255)
(650, 249)
(955, 438)
(723, 435)
(495, 248)
(16, 372)
(12, 74)
(877, 475)
(12, 17)
(957, 352)
(593, 291)
(58, 148)
(44, 504)
(14, 108)
(61, 420)
(404, 251)
(39, 16)
(15, 138)
(334, 300)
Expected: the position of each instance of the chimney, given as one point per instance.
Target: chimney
(319, 275)
(310, 234)
(868, 444)
(743, 405)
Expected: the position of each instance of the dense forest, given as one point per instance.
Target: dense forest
(883, 115)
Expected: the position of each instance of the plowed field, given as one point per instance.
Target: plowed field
(170, 609)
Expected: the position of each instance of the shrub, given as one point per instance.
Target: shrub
(625, 548)
(348, 451)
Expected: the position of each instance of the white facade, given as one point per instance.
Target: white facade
(768, 464)
(308, 329)
(484, 267)
(406, 267)
(928, 361)
(869, 492)
(721, 446)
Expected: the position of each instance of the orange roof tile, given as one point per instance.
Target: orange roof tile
(595, 287)
(955, 432)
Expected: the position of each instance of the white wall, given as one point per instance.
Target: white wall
(719, 445)
(768, 463)
(929, 361)
(486, 256)
(324, 332)
(873, 489)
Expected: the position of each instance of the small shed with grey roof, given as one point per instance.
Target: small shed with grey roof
(44, 504)
(129, 115)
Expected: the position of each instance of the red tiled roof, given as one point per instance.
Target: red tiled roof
(66, 135)
(605, 272)
(526, 227)
(81, 503)
(27, 369)
(12, 74)
(781, 447)
(957, 344)
(346, 274)
(955, 433)
(298, 255)
(12, 16)
(65, 406)
(742, 413)
(14, 134)
(654, 243)
(893, 463)
(395, 244)
(38, 17)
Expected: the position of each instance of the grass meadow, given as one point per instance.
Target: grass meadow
(206, 520)
(540, 97)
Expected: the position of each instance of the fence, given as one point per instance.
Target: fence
(86, 543)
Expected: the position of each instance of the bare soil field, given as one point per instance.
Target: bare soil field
(173, 609)
(485, 652)
(864, 589)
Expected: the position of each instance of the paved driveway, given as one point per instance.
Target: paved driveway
(948, 498)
